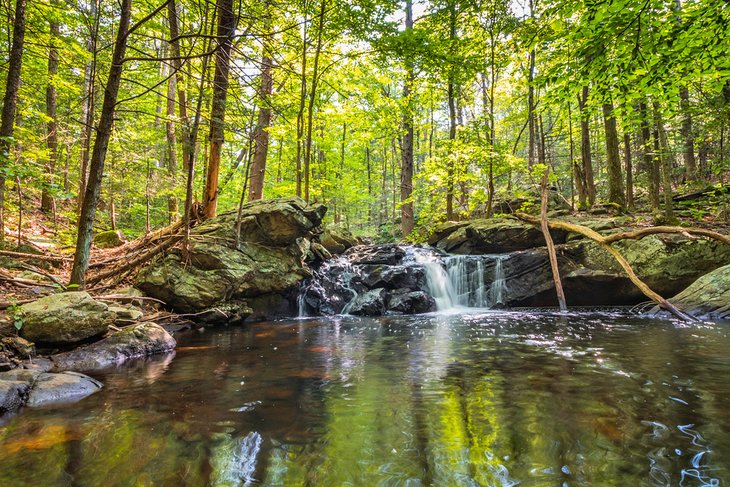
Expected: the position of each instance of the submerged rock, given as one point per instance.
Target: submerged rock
(134, 342)
(270, 258)
(64, 318)
(706, 298)
(36, 388)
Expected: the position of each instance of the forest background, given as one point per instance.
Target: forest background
(397, 116)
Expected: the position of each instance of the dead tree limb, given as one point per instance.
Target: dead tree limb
(693, 232)
(549, 242)
(131, 264)
(43, 257)
(601, 240)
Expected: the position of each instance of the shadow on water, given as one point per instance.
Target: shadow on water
(484, 398)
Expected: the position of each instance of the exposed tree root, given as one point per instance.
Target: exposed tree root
(605, 242)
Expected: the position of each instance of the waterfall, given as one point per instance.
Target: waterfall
(438, 281)
(467, 275)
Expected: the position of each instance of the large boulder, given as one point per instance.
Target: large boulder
(270, 259)
(68, 317)
(413, 302)
(706, 298)
(134, 342)
(489, 236)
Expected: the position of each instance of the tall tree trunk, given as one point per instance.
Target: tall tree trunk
(406, 171)
(47, 201)
(616, 193)
(261, 135)
(172, 206)
(578, 175)
(302, 107)
(224, 39)
(629, 172)
(452, 91)
(665, 163)
(686, 130)
(88, 107)
(585, 148)
(313, 97)
(10, 101)
(96, 166)
(650, 157)
(532, 143)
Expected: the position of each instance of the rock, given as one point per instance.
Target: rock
(109, 239)
(13, 394)
(707, 298)
(337, 240)
(61, 388)
(371, 303)
(393, 277)
(64, 318)
(490, 236)
(36, 388)
(411, 302)
(124, 314)
(389, 254)
(529, 204)
(270, 258)
(134, 342)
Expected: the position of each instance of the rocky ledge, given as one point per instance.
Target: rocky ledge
(258, 276)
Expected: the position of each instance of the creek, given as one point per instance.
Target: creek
(474, 397)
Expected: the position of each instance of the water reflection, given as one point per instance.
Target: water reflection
(478, 399)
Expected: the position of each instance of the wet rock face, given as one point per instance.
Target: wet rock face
(370, 280)
(271, 258)
(65, 318)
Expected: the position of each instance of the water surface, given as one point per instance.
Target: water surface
(484, 398)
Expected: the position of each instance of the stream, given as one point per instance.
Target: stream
(475, 397)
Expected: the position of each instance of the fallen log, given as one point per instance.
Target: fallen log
(43, 257)
(601, 240)
(549, 242)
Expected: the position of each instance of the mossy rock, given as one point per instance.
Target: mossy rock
(109, 239)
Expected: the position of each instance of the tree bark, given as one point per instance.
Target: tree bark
(87, 109)
(101, 144)
(224, 39)
(47, 201)
(585, 149)
(649, 158)
(629, 172)
(171, 135)
(10, 101)
(312, 98)
(613, 159)
(549, 242)
(451, 94)
(261, 134)
(665, 163)
(406, 172)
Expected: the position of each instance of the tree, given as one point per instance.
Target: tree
(406, 173)
(224, 40)
(47, 202)
(10, 100)
(101, 144)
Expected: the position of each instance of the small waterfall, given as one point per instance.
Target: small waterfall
(330, 290)
(438, 281)
(496, 290)
(467, 274)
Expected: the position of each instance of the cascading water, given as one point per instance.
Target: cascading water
(467, 275)
(438, 281)
(379, 278)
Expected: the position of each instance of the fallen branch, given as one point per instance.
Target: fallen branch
(124, 298)
(131, 264)
(50, 277)
(8, 304)
(549, 242)
(43, 257)
(601, 240)
(638, 234)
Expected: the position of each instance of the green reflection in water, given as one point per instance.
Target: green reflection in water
(491, 399)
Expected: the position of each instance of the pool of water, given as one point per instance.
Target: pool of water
(484, 398)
